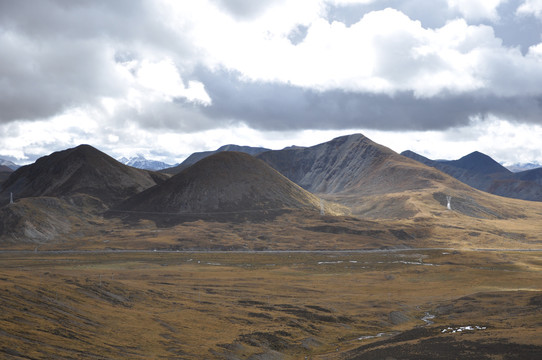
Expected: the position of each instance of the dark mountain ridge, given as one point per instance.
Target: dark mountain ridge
(9, 164)
(5, 172)
(140, 162)
(197, 156)
(83, 170)
(483, 173)
(480, 163)
(534, 175)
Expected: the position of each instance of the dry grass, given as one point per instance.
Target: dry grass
(238, 305)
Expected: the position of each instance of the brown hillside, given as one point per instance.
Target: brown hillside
(41, 220)
(82, 169)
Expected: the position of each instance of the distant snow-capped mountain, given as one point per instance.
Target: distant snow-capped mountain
(141, 162)
(523, 167)
(9, 164)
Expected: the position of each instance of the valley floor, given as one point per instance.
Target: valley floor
(416, 304)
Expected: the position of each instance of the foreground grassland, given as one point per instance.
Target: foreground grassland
(417, 304)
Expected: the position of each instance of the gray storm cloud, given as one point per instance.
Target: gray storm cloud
(272, 106)
(58, 54)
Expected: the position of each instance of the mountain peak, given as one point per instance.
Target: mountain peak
(83, 169)
(9, 164)
(340, 165)
(221, 183)
(140, 162)
(479, 162)
(357, 137)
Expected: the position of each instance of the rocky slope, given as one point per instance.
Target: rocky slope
(40, 220)
(5, 172)
(534, 175)
(351, 163)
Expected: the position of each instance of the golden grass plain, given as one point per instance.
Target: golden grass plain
(270, 305)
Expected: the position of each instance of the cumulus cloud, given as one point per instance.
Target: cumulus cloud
(531, 7)
(384, 52)
(477, 9)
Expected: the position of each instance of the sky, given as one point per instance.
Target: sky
(166, 78)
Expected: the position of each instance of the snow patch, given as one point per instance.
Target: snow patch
(371, 336)
(463, 328)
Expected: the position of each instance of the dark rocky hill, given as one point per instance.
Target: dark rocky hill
(534, 175)
(79, 170)
(483, 173)
(197, 156)
(5, 172)
(226, 182)
(480, 163)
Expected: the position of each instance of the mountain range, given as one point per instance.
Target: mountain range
(9, 164)
(523, 166)
(140, 162)
(84, 192)
(224, 183)
(482, 172)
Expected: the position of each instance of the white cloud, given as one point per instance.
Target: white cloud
(384, 52)
(505, 141)
(531, 7)
(75, 126)
(477, 9)
(162, 80)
